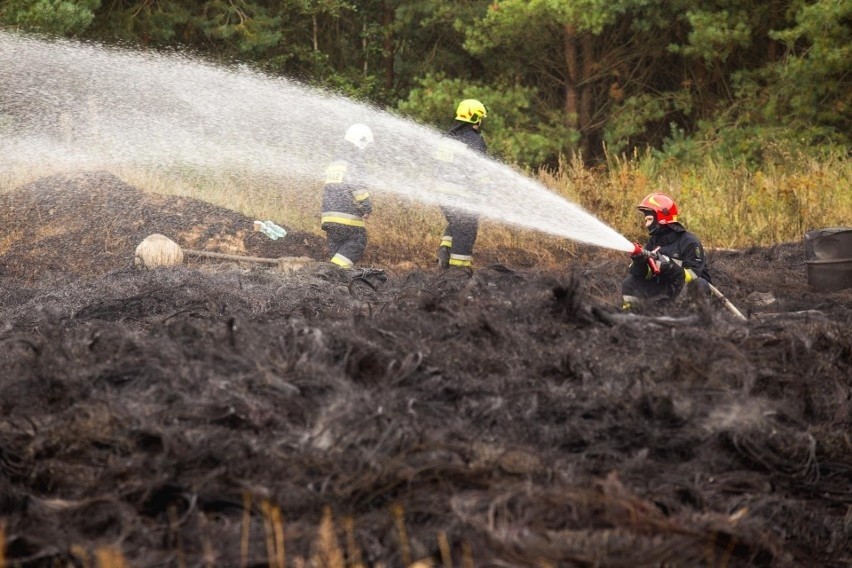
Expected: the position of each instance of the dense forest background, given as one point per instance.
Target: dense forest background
(742, 81)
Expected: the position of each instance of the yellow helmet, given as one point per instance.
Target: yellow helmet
(472, 111)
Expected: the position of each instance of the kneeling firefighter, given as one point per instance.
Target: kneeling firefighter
(672, 258)
(346, 202)
(456, 248)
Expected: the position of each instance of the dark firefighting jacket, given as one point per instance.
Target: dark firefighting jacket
(683, 247)
(454, 175)
(345, 198)
(464, 132)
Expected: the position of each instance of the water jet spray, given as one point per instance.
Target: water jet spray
(81, 106)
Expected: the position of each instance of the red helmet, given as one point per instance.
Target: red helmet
(663, 207)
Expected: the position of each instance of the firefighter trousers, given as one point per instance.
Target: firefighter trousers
(346, 244)
(460, 235)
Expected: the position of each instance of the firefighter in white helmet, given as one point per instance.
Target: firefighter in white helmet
(346, 202)
(456, 248)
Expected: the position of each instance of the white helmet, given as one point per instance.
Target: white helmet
(360, 135)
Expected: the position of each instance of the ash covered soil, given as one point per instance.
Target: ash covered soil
(509, 416)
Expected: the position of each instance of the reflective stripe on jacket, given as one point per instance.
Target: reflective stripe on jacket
(342, 219)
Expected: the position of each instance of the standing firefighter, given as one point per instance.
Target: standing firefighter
(456, 247)
(346, 201)
(672, 257)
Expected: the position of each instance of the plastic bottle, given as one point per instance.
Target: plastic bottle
(270, 229)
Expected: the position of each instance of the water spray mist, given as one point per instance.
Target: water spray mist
(76, 106)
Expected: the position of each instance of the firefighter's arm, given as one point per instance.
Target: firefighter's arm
(362, 200)
(671, 268)
(694, 261)
(639, 266)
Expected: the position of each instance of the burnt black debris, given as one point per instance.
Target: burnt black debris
(502, 416)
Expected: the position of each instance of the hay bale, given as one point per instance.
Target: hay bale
(157, 250)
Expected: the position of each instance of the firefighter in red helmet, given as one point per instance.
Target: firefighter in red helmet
(679, 256)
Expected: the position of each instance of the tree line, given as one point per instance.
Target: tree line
(738, 79)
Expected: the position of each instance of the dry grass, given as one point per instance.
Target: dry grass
(328, 551)
(727, 208)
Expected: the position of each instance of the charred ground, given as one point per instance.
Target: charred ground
(514, 416)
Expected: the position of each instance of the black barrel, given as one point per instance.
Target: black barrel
(828, 256)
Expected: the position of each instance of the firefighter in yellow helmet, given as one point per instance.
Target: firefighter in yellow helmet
(456, 248)
(346, 201)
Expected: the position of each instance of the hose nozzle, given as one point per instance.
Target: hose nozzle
(651, 257)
